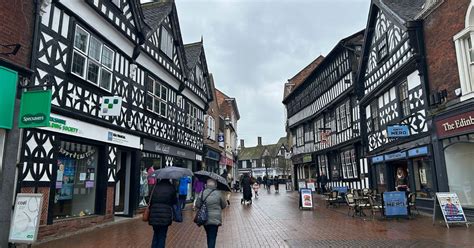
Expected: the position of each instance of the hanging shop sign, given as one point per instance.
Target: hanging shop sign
(158, 147)
(69, 126)
(220, 139)
(8, 81)
(110, 105)
(397, 131)
(395, 204)
(35, 108)
(450, 207)
(306, 198)
(26, 218)
(455, 125)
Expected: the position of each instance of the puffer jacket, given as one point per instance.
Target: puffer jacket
(164, 197)
(215, 203)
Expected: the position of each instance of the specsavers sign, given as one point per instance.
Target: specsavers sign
(65, 125)
(35, 108)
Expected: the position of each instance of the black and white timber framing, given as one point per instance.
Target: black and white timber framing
(324, 119)
(391, 84)
(132, 34)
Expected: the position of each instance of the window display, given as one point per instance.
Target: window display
(149, 163)
(423, 178)
(75, 180)
(460, 169)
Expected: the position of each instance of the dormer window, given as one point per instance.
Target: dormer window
(166, 42)
(199, 76)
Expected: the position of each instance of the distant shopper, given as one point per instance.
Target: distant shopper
(183, 191)
(255, 189)
(161, 215)
(198, 187)
(226, 176)
(323, 179)
(215, 201)
(277, 184)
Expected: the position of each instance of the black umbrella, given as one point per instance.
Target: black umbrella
(172, 172)
(221, 182)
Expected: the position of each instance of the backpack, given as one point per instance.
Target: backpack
(202, 215)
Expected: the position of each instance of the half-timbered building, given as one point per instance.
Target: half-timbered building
(89, 165)
(393, 96)
(323, 117)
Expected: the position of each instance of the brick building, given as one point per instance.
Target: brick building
(15, 67)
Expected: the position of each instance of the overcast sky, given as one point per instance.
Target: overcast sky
(254, 46)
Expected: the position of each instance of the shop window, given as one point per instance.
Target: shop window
(148, 161)
(459, 167)
(423, 178)
(92, 60)
(404, 101)
(76, 180)
(381, 177)
(166, 42)
(157, 97)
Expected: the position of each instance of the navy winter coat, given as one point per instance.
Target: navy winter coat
(164, 197)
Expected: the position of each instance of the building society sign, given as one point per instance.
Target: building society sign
(455, 124)
(65, 125)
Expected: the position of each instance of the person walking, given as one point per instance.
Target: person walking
(323, 179)
(163, 197)
(277, 184)
(227, 178)
(198, 187)
(246, 189)
(183, 191)
(215, 201)
(255, 189)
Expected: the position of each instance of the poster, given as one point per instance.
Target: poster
(26, 218)
(82, 176)
(301, 184)
(395, 203)
(311, 186)
(306, 198)
(451, 208)
(66, 165)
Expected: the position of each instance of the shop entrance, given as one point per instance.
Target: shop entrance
(122, 187)
(398, 175)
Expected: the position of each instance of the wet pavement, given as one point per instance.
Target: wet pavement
(274, 220)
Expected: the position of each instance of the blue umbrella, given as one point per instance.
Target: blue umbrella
(172, 172)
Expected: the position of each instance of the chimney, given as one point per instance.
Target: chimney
(259, 141)
(242, 145)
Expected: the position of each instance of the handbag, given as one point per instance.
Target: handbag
(146, 213)
(202, 216)
(177, 214)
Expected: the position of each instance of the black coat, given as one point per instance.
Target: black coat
(164, 197)
(246, 188)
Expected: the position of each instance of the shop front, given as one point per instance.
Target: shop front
(76, 166)
(304, 168)
(157, 153)
(211, 160)
(410, 171)
(454, 146)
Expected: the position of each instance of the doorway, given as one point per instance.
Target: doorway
(399, 174)
(122, 186)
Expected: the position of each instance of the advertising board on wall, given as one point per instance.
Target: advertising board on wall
(69, 126)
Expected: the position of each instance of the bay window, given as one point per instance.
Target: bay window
(92, 60)
(463, 42)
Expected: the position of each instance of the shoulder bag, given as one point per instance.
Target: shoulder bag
(146, 213)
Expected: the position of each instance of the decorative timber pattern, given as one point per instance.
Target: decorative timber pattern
(38, 156)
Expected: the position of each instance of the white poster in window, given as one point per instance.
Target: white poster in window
(423, 176)
(92, 177)
(26, 218)
(82, 176)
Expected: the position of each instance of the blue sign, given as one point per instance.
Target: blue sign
(397, 131)
(213, 155)
(418, 151)
(395, 156)
(395, 203)
(220, 137)
(377, 159)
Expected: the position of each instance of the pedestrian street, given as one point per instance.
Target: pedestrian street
(275, 220)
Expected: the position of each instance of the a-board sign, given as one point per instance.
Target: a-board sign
(395, 204)
(306, 198)
(301, 184)
(26, 218)
(450, 207)
(311, 186)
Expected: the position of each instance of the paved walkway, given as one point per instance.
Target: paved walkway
(274, 220)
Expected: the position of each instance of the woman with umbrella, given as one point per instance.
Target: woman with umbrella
(214, 197)
(162, 199)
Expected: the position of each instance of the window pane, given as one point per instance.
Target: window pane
(107, 57)
(105, 79)
(94, 49)
(78, 64)
(150, 85)
(93, 72)
(163, 93)
(80, 39)
(149, 102)
(163, 109)
(157, 89)
(156, 105)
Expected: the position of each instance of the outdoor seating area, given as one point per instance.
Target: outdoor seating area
(363, 202)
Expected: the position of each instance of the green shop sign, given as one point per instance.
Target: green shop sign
(62, 125)
(8, 82)
(35, 108)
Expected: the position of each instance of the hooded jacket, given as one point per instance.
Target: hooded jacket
(215, 203)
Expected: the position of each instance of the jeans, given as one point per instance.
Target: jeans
(159, 236)
(182, 201)
(211, 232)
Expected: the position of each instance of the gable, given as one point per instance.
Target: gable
(387, 48)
